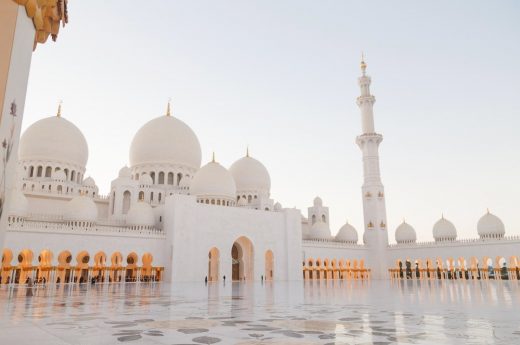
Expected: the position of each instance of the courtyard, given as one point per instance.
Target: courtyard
(314, 312)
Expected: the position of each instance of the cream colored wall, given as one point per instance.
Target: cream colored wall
(14, 90)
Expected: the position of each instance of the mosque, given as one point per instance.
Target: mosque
(168, 218)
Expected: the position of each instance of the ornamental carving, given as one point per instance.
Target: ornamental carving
(46, 15)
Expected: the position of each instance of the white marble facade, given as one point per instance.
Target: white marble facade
(212, 221)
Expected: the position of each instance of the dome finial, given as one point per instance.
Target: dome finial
(363, 65)
(213, 159)
(247, 151)
(442, 215)
(168, 110)
(487, 209)
(58, 114)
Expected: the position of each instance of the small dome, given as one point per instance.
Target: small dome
(140, 214)
(59, 175)
(125, 172)
(277, 207)
(250, 175)
(320, 231)
(405, 233)
(54, 139)
(18, 204)
(213, 180)
(145, 180)
(165, 139)
(318, 202)
(81, 208)
(490, 226)
(444, 230)
(242, 202)
(89, 182)
(347, 233)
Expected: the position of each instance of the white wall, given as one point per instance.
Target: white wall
(193, 229)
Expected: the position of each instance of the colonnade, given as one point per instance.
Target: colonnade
(326, 269)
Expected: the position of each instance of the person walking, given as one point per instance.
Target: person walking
(206, 280)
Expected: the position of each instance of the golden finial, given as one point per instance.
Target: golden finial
(58, 114)
(168, 111)
(247, 151)
(363, 64)
(442, 215)
(488, 210)
(213, 160)
(404, 220)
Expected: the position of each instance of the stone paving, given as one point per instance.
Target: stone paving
(334, 312)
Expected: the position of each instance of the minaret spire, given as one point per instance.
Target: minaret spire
(373, 194)
(58, 113)
(168, 108)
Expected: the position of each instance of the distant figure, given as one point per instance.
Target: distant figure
(262, 278)
(58, 280)
(206, 280)
(224, 279)
(29, 287)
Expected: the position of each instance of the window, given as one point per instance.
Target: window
(48, 171)
(170, 178)
(179, 178)
(39, 174)
(126, 201)
(161, 177)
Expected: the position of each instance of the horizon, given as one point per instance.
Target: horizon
(420, 160)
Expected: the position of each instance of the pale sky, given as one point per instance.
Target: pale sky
(281, 77)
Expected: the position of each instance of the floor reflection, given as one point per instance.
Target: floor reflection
(314, 312)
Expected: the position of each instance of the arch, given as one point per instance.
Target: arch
(48, 171)
(170, 178)
(7, 257)
(23, 269)
(269, 265)
(31, 171)
(100, 259)
(39, 171)
(313, 218)
(179, 178)
(116, 259)
(73, 175)
(141, 195)
(146, 270)
(64, 271)
(213, 264)
(161, 177)
(152, 175)
(126, 201)
(242, 254)
(131, 267)
(323, 218)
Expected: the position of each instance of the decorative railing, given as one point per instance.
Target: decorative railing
(514, 238)
(101, 229)
(332, 243)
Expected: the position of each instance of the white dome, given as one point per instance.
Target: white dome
(54, 139)
(18, 204)
(145, 179)
(81, 208)
(250, 175)
(347, 233)
(490, 226)
(165, 139)
(89, 182)
(405, 233)
(213, 180)
(59, 175)
(277, 207)
(320, 231)
(242, 202)
(125, 172)
(318, 201)
(140, 214)
(444, 230)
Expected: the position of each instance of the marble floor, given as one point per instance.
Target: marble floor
(376, 312)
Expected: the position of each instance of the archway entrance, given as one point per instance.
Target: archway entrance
(269, 265)
(213, 264)
(242, 255)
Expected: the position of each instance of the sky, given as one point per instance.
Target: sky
(281, 78)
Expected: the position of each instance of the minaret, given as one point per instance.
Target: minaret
(373, 194)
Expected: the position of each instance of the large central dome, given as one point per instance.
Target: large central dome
(54, 139)
(165, 140)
